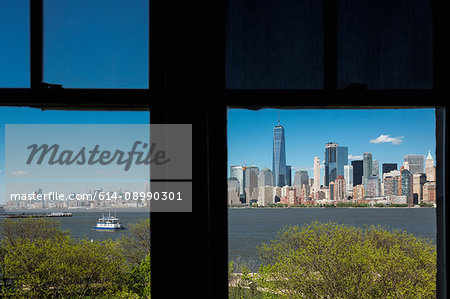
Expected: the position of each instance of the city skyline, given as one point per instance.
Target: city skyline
(388, 134)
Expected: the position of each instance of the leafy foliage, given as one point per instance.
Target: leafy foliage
(45, 262)
(338, 261)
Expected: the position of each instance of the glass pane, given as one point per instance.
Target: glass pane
(274, 44)
(385, 44)
(96, 44)
(319, 229)
(14, 43)
(76, 211)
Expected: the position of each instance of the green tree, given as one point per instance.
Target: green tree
(30, 229)
(139, 279)
(62, 267)
(136, 244)
(339, 261)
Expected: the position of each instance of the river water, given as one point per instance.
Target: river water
(81, 223)
(249, 227)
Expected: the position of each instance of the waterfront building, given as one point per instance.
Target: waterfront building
(331, 192)
(233, 191)
(265, 177)
(358, 192)
(429, 192)
(340, 189)
(348, 176)
(316, 174)
(415, 163)
(237, 171)
(251, 183)
(279, 168)
(391, 185)
(430, 169)
(406, 185)
(265, 195)
(301, 178)
(372, 187)
(419, 179)
(289, 175)
(335, 158)
(367, 169)
(357, 172)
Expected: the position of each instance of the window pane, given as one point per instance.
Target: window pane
(327, 204)
(385, 44)
(14, 43)
(96, 44)
(274, 44)
(90, 201)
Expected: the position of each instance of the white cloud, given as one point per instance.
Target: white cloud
(386, 139)
(351, 157)
(19, 172)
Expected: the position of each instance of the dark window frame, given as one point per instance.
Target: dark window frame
(185, 58)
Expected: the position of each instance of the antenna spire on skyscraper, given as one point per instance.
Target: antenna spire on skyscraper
(278, 117)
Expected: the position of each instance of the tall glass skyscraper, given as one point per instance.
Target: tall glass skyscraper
(335, 158)
(279, 157)
(367, 168)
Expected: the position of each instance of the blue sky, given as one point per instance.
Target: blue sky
(87, 44)
(22, 115)
(388, 134)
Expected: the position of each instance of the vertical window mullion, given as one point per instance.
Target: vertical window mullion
(36, 43)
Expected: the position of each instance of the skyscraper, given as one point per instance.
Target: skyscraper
(316, 174)
(388, 167)
(279, 157)
(367, 168)
(415, 163)
(357, 172)
(265, 177)
(348, 176)
(406, 185)
(237, 171)
(289, 175)
(335, 158)
(430, 168)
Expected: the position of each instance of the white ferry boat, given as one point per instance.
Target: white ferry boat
(108, 223)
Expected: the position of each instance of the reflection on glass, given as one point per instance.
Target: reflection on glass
(96, 44)
(14, 44)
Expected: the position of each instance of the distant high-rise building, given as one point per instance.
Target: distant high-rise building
(367, 169)
(301, 178)
(357, 172)
(406, 185)
(415, 163)
(419, 179)
(279, 157)
(251, 183)
(388, 167)
(335, 158)
(372, 187)
(430, 169)
(233, 191)
(340, 189)
(289, 175)
(237, 171)
(265, 177)
(375, 168)
(348, 176)
(316, 174)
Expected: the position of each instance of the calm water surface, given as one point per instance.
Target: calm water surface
(248, 228)
(81, 223)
